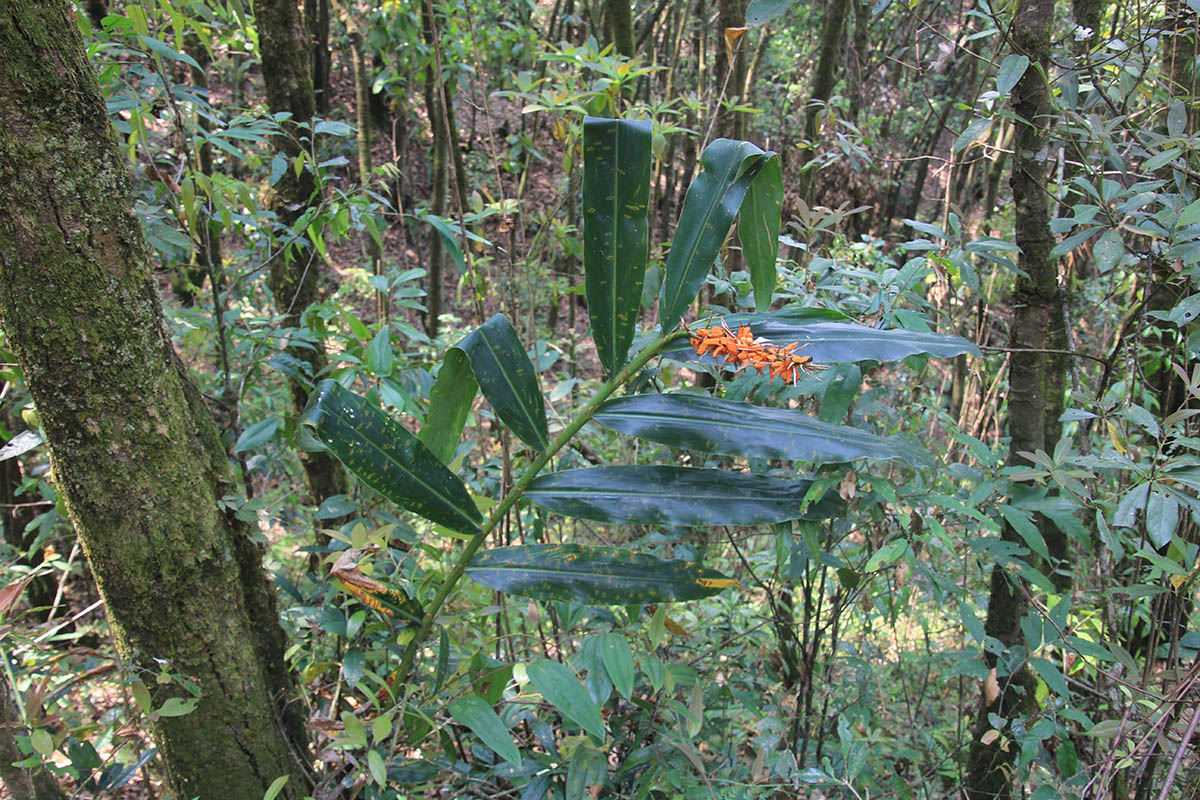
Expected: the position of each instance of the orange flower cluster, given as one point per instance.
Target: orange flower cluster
(744, 350)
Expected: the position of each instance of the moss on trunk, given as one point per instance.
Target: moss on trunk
(134, 452)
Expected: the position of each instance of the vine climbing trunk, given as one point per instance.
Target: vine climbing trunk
(135, 453)
(295, 276)
(1037, 304)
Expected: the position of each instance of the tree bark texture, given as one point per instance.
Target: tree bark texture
(620, 15)
(295, 279)
(316, 20)
(1038, 311)
(135, 453)
(823, 82)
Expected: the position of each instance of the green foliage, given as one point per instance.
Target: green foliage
(616, 235)
(592, 575)
(847, 657)
(712, 201)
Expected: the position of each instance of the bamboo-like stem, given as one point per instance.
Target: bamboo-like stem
(518, 490)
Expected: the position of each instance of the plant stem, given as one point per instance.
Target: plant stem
(518, 490)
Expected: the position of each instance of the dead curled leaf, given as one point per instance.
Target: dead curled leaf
(991, 689)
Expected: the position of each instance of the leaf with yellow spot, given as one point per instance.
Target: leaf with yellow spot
(680, 496)
(594, 575)
(616, 231)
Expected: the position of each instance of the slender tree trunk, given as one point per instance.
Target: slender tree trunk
(363, 120)
(823, 82)
(295, 277)
(1038, 304)
(621, 17)
(316, 21)
(136, 456)
(856, 66)
(731, 66)
(433, 108)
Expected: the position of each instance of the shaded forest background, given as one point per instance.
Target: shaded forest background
(201, 600)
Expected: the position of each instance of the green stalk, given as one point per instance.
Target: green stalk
(518, 490)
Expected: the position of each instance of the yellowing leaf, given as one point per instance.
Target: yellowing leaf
(674, 627)
(1115, 436)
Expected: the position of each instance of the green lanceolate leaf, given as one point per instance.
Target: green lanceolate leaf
(477, 714)
(386, 457)
(758, 230)
(506, 376)
(709, 207)
(595, 575)
(563, 690)
(618, 662)
(699, 422)
(449, 403)
(834, 342)
(653, 495)
(616, 234)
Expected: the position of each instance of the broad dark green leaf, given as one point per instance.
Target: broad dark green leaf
(386, 457)
(1011, 70)
(833, 342)
(654, 495)
(379, 353)
(758, 230)
(618, 662)
(616, 234)
(760, 11)
(595, 575)
(449, 403)
(793, 315)
(709, 207)
(699, 422)
(506, 377)
(563, 690)
(410, 771)
(477, 714)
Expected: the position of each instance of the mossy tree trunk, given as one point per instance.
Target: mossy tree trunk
(295, 279)
(1038, 312)
(135, 453)
(620, 15)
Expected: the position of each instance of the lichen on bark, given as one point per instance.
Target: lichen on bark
(134, 452)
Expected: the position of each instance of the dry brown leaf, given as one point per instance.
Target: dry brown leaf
(10, 594)
(346, 570)
(849, 486)
(991, 688)
(675, 628)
